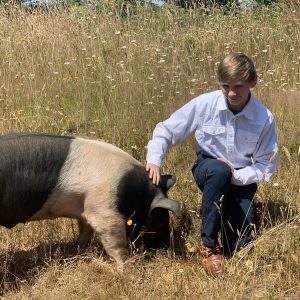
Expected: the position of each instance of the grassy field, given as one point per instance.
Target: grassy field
(112, 74)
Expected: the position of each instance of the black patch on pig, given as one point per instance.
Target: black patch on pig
(30, 164)
(135, 195)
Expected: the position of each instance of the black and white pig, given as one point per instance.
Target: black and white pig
(45, 176)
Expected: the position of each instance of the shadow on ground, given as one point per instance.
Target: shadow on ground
(22, 266)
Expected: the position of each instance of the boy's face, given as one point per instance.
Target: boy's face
(237, 91)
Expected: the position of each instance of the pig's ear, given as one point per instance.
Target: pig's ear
(167, 181)
(166, 203)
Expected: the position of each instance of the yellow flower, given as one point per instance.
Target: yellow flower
(129, 220)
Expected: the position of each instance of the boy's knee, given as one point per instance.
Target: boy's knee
(219, 170)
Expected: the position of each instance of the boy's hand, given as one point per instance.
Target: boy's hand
(154, 173)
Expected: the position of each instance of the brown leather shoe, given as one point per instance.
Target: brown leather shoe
(212, 260)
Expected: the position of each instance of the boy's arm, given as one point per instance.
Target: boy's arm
(171, 132)
(265, 159)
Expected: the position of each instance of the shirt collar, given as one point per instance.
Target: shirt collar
(248, 110)
(221, 104)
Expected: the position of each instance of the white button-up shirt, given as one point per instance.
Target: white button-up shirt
(247, 140)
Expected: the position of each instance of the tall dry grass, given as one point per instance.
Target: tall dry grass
(113, 74)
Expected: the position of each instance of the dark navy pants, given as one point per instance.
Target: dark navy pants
(226, 208)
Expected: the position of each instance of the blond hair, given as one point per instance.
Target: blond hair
(236, 65)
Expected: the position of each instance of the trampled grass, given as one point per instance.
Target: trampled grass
(111, 74)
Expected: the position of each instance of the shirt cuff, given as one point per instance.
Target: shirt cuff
(155, 162)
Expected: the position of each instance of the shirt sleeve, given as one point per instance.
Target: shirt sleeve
(264, 161)
(172, 131)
